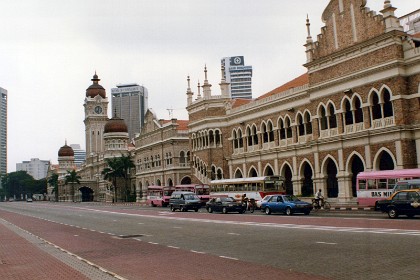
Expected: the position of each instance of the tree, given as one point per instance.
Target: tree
(126, 164)
(53, 181)
(112, 172)
(18, 184)
(72, 178)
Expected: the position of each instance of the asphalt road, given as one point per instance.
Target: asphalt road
(130, 240)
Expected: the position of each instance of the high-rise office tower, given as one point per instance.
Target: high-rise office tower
(238, 75)
(35, 167)
(130, 103)
(79, 155)
(3, 132)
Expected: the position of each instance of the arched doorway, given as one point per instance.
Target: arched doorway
(288, 179)
(269, 171)
(170, 183)
(87, 194)
(332, 181)
(356, 167)
(386, 162)
(307, 183)
(186, 181)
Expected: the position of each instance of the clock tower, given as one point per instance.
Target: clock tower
(96, 116)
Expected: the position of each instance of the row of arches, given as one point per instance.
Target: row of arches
(206, 139)
(304, 181)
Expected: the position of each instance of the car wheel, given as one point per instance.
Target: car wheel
(172, 208)
(289, 211)
(267, 211)
(210, 210)
(410, 215)
(224, 210)
(306, 212)
(182, 209)
(196, 210)
(392, 213)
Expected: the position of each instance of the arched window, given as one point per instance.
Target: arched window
(270, 131)
(265, 133)
(376, 107)
(288, 128)
(235, 140)
(282, 130)
(323, 121)
(240, 139)
(308, 123)
(348, 115)
(358, 113)
(301, 126)
(388, 111)
(249, 136)
(255, 135)
(218, 137)
(332, 117)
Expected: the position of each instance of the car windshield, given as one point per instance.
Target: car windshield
(267, 197)
(227, 199)
(191, 197)
(290, 198)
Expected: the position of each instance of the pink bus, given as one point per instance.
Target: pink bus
(202, 191)
(372, 186)
(154, 196)
(159, 195)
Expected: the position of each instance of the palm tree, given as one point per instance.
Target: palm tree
(126, 164)
(112, 172)
(72, 178)
(53, 181)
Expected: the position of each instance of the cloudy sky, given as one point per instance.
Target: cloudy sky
(49, 51)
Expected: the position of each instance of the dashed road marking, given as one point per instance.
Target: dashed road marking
(326, 243)
(197, 252)
(230, 258)
(173, 247)
(233, 233)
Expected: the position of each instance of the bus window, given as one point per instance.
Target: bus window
(362, 184)
(371, 184)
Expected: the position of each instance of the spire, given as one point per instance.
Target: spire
(198, 88)
(206, 85)
(391, 21)
(224, 86)
(308, 28)
(189, 92)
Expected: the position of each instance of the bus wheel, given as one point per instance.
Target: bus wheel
(392, 213)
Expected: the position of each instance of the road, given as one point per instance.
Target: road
(132, 242)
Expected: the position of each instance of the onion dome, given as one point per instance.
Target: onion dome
(115, 125)
(66, 151)
(95, 88)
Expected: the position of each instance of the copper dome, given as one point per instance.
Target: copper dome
(115, 125)
(66, 151)
(95, 88)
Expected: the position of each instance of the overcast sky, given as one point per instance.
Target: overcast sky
(49, 51)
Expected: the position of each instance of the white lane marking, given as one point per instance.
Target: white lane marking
(230, 258)
(140, 223)
(75, 235)
(197, 252)
(326, 243)
(233, 233)
(173, 247)
(274, 225)
(177, 227)
(154, 243)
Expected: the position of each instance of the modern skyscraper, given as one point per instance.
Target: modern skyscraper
(79, 155)
(35, 167)
(238, 75)
(130, 102)
(3, 132)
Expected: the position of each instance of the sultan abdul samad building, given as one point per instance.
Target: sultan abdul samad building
(355, 109)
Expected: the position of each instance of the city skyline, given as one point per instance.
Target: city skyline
(49, 56)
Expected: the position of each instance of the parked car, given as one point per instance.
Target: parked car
(224, 205)
(29, 199)
(288, 204)
(406, 202)
(184, 201)
(406, 185)
(265, 198)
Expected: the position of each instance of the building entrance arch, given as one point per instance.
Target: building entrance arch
(87, 194)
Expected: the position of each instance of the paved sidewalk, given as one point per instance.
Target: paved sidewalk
(25, 256)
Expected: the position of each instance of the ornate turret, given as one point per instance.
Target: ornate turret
(95, 89)
(206, 85)
(189, 92)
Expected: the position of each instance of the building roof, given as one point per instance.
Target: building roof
(182, 124)
(66, 151)
(95, 88)
(240, 101)
(115, 125)
(297, 82)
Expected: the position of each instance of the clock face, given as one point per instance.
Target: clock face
(237, 60)
(98, 109)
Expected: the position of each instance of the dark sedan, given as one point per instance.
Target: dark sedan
(401, 203)
(224, 205)
(287, 204)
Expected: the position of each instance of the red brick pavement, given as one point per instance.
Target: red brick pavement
(19, 259)
(131, 258)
